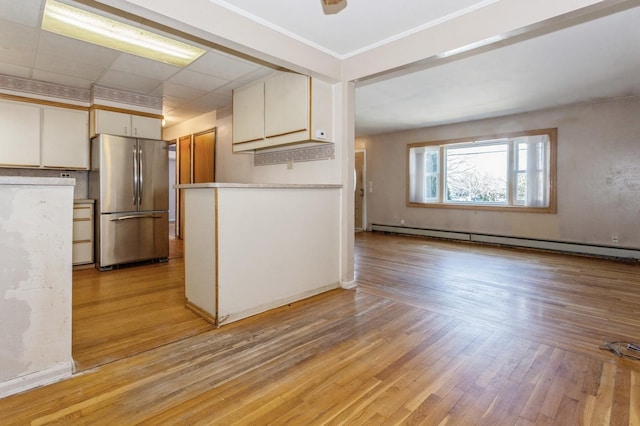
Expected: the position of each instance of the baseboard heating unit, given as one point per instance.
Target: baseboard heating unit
(559, 246)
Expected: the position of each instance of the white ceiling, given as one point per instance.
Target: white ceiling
(593, 60)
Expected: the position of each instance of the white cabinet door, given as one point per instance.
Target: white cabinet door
(20, 135)
(122, 124)
(248, 113)
(146, 127)
(111, 123)
(65, 141)
(286, 100)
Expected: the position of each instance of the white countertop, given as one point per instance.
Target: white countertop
(259, 185)
(30, 180)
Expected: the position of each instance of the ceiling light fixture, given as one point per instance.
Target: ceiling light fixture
(331, 7)
(82, 25)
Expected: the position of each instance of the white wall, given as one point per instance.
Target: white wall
(598, 176)
(198, 124)
(36, 216)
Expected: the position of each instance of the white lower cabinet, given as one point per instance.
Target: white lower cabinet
(82, 233)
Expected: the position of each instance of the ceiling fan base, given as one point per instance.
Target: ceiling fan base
(331, 7)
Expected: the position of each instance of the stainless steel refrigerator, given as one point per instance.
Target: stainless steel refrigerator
(129, 179)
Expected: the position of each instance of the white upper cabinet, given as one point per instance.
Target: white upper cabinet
(146, 127)
(286, 104)
(282, 109)
(122, 124)
(64, 138)
(43, 136)
(20, 135)
(248, 113)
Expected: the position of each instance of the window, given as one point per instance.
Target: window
(514, 171)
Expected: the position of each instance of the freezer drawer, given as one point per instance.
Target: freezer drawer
(132, 237)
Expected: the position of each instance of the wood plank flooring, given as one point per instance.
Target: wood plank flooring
(127, 311)
(436, 333)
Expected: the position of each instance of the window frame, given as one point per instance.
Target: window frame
(512, 205)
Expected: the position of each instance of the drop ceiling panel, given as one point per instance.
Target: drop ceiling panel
(25, 12)
(15, 70)
(222, 66)
(63, 65)
(132, 64)
(197, 80)
(75, 51)
(183, 93)
(131, 82)
(218, 99)
(61, 79)
(17, 43)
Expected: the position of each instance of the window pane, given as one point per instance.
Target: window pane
(522, 157)
(431, 187)
(521, 189)
(507, 172)
(477, 174)
(431, 163)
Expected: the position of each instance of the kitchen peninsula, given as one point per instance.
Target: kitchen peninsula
(35, 281)
(253, 247)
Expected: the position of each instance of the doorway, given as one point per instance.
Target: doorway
(360, 193)
(196, 160)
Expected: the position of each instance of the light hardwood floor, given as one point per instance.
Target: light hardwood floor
(436, 333)
(127, 311)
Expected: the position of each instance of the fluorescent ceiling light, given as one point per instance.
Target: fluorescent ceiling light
(72, 22)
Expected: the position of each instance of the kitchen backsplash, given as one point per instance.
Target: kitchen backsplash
(82, 177)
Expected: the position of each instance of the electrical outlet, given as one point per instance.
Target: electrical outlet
(401, 222)
(615, 239)
(65, 175)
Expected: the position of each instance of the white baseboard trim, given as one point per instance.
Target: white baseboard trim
(54, 374)
(349, 285)
(559, 246)
(235, 316)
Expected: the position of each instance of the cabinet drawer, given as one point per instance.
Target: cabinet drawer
(82, 230)
(82, 253)
(82, 212)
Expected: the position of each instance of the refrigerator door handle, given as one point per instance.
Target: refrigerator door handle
(136, 186)
(136, 216)
(140, 175)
